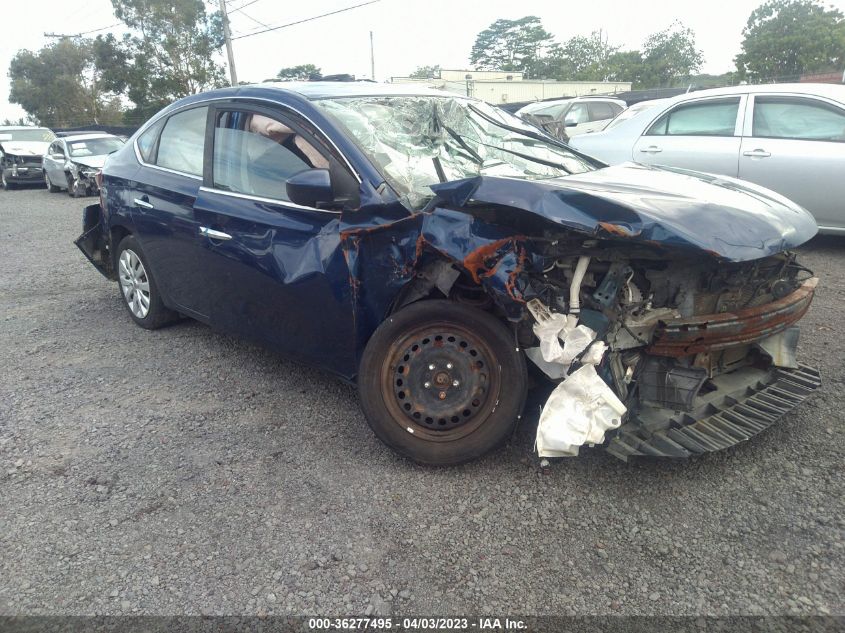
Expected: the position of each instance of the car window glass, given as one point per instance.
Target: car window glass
(147, 141)
(796, 118)
(600, 111)
(255, 154)
(181, 144)
(94, 146)
(710, 118)
(553, 111)
(577, 114)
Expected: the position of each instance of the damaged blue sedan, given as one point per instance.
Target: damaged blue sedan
(431, 248)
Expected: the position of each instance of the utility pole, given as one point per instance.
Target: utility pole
(372, 59)
(233, 74)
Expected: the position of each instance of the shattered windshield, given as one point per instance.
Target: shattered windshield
(94, 146)
(419, 141)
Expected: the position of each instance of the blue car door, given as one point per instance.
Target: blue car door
(273, 270)
(161, 200)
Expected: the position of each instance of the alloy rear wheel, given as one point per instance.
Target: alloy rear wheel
(138, 288)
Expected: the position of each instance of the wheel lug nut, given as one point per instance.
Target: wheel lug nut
(448, 365)
(455, 383)
(427, 385)
(431, 367)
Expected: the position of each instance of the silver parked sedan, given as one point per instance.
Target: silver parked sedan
(71, 162)
(787, 137)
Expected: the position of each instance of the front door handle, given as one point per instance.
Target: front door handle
(214, 235)
(144, 203)
(651, 149)
(757, 153)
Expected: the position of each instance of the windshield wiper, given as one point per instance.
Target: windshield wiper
(464, 145)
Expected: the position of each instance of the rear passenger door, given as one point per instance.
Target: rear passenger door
(161, 199)
(703, 135)
(274, 269)
(795, 145)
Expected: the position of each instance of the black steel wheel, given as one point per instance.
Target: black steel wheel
(442, 383)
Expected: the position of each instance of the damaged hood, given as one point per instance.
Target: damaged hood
(730, 219)
(24, 148)
(95, 162)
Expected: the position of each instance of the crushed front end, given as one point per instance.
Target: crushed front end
(699, 352)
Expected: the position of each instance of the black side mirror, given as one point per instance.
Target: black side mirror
(310, 187)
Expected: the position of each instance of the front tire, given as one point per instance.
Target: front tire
(5, 183)
(138, 288)
(442, 383)
(50, 186)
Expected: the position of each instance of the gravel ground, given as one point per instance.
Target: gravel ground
(185, 472)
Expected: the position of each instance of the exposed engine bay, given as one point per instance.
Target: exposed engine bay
(671, 338)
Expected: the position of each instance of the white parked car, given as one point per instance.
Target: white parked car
(575, 116)
(72, 162)
(787, 137)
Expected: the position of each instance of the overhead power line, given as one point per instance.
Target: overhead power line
(246, 15)
(316, 17)
(243, 6)
(104, 28)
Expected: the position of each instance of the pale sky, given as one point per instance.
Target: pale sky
(406, 34)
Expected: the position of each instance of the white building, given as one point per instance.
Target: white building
(499, 87)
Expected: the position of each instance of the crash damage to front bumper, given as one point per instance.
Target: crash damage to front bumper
(23, 175)
(749, 401)
(663, 342)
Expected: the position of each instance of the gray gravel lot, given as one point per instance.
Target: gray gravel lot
(183, 471)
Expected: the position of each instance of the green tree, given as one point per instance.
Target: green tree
(584, 58)
(426, 72)
(626, 66)
(668, 55)
(513, 45)
(61, 85)
(787, 38)
(303, 72)
(172, 52)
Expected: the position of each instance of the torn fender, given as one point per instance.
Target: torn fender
(384, 258)
(727, 218)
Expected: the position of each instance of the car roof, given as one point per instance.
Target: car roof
(834, 91)
(327, 89)
(84, 137)
(598, 98)
(23, 127)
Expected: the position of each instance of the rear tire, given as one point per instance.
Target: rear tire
(442, 383)
(138, 288)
